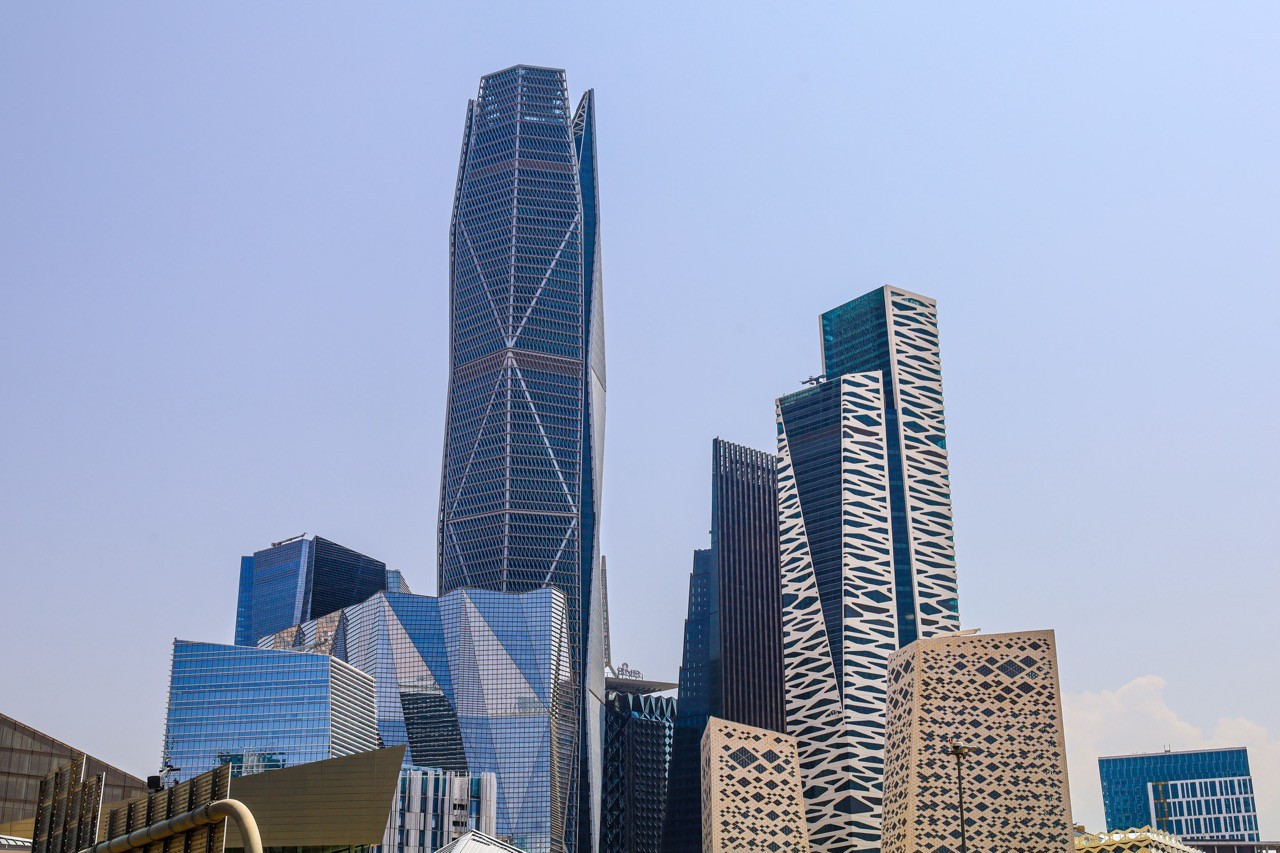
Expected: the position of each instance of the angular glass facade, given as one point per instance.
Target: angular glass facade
(732, 667)
(519, 503)
(866, 545)
(262, 709)
(474, 681)
(637, 753)
(1202, 795)
(299, 580)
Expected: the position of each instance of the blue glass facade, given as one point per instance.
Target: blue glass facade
(261, 709)
(299, 580)
(475, 681)
(519, 503)
(637, 755)
(1204, 794)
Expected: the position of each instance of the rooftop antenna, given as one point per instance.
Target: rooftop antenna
(814, 380)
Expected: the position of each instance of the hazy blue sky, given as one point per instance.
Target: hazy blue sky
(223, 308)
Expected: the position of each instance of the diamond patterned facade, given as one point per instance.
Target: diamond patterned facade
(637, 756)
(1144, 840)
(524, 425)
(999, 694)
(474, 681)
(867, 561)
(751, 791)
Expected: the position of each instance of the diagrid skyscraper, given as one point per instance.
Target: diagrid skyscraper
(867, 553)
(524, 430)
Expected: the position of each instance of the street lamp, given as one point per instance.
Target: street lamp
(960, 751)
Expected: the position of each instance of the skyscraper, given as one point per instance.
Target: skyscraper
(867, 557)
(732, 666)
(298, 580)
(524, 430)
(1201, 794)
(751, 792)
(637, 759)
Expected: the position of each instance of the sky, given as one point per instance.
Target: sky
(223, 315)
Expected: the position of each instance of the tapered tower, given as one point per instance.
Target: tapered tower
(520, 489)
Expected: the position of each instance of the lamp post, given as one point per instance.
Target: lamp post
(960, 751)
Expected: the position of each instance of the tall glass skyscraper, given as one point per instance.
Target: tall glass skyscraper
(732, 667)
(867, 556)
(262, 709)
(298, 580)
(524, 430)
(637, 757)
(1202, 794)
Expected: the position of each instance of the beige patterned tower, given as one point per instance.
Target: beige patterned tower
(751, 793)
(998, 694)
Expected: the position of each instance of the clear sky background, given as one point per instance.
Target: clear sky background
(223, 315)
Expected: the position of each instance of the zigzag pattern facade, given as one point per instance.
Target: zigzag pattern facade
(839, 727)
(913, 345)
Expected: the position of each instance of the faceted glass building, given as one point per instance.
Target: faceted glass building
(520, 489)
(637, 753)
(867, 556)
(261, 709)
(28, 755)
(732, 667)
(1204, 795)
(474, 681)
(301, 579)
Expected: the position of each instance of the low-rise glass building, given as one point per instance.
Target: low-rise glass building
(1203, 794)
(262, 709)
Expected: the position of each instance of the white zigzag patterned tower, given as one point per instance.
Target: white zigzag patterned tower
(867, 556)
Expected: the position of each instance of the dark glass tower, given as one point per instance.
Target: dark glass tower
(519, 502)
(637, 755)
(298, 580)
(732, 665)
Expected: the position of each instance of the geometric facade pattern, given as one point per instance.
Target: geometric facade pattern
(751, 792)
(637, 753)
(520, 488)
(999, 695)
(298, 580)
(474, 681)
(867, 555)
(1203, 794)
(261, 709)
(1144, 840)
(28, 755)
(732, 664)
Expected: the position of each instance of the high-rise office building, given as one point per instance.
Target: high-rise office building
(637, 756)
(867, 557)
(732, 667)
(997, 695)
(473, 681)
(262, 709)
(524, 431)
(298, 580)
(27, 755)
(1200, 795)
(751, 792)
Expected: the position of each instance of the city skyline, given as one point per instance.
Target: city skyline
(141, 492)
